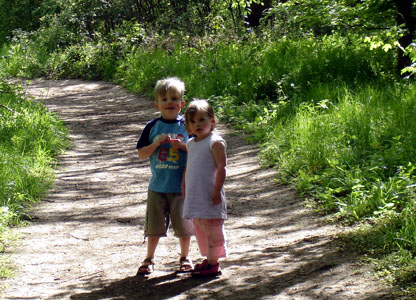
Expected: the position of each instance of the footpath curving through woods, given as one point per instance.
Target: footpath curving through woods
(85, 240)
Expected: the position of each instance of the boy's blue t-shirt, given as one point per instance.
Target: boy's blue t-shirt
(167, 164)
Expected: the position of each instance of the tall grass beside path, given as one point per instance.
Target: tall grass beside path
(355, 156)
(30, 139)
(330, 115)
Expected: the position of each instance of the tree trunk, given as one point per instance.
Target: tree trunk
(404, 17)
(257, 12)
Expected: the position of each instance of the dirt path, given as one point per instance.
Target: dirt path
(85, 241)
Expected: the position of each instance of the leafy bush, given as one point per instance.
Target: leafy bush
(21, 60)
(88, 61)
(329, 113)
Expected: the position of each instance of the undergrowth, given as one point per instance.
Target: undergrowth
(332, 116)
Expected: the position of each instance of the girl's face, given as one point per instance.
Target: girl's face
(201, 125)
(170, 105)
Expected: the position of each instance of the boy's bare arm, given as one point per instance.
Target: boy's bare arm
(147, 151)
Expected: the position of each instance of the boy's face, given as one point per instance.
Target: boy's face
(170, 105)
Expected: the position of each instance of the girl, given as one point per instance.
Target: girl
(203, 186)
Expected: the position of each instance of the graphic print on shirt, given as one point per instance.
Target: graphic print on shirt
(167, 153)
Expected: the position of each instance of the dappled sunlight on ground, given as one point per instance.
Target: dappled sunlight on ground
(85, 240)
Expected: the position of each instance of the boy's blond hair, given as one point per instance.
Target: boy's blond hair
(169, 84)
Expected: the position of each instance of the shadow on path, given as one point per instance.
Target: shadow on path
(85, 239)
(133, 288)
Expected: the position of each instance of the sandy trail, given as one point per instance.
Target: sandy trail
(85, 239)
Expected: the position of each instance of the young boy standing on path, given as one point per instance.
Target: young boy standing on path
(204, 186)
(163, 140)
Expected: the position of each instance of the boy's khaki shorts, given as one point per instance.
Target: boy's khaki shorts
(162, 210)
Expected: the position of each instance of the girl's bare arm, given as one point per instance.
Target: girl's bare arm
(220, 157)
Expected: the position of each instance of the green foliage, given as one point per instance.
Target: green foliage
(315, 85)
(385, 24)
(88, 61)
(29, 139)
(227, 67)
(411, 51)
(18, 14)
(89, 18)
(323, 17)
(354, 156)
(20, 60)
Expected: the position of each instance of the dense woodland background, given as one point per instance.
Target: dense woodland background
(325, 87)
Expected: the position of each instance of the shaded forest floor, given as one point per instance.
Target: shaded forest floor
(85, 240)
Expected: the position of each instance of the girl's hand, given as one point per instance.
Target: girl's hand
(176, 143)
(215, 198)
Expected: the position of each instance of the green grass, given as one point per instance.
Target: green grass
(330, 115)
(30, 139)
(355, 156)
(3, 49)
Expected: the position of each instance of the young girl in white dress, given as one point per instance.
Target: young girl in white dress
(203, 186)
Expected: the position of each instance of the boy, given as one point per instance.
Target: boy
(163, 140)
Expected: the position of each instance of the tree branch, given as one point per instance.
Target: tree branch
(9, 109)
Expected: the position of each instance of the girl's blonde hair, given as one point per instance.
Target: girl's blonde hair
(198, 105)
(169, 84)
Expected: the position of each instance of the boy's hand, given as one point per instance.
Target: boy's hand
(183, 186)
(161, 139)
